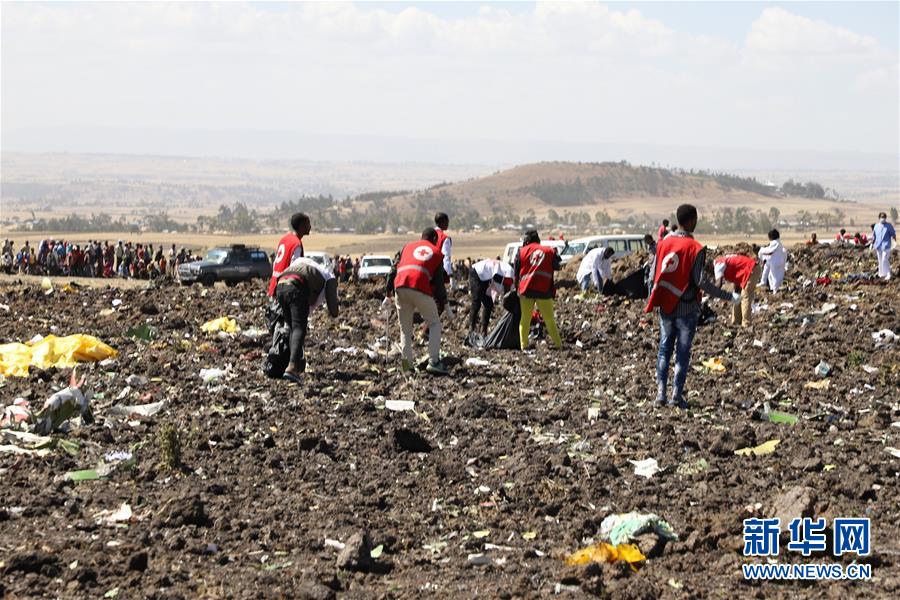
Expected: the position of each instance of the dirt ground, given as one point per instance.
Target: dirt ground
(519, 460)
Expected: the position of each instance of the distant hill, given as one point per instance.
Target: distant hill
(617, 187)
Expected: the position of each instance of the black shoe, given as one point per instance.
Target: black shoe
(678, 402)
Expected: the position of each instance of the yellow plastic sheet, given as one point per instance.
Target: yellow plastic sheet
(714, 364)
(606, 553)
(225, 324)
(52, 351)
(766, 448)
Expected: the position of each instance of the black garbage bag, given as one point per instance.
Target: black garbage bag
(505, 334)
(633, 286)
(279, 354)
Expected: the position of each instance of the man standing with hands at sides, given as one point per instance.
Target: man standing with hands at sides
(882, 235)
(679, 276)
(289, 248)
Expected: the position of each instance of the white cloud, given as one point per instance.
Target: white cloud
(565, 70)
(779, 32)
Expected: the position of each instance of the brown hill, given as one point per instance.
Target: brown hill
(619, 189)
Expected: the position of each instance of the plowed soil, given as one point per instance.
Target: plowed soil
(530, 451)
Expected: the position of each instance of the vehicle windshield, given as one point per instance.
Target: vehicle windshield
(318, 258)
(216, 255)
(574, 248)
(376, 262)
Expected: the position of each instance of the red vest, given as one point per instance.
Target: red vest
(662, 232)
(283, 254)
(675, 256)
(738, 268)
(535, 269)
(441, 237)
(419, 261)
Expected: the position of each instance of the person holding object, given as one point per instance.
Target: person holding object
(743, 272)
(534, 266)
(303, 285)
(417, 281)
(883, 235)
(678, 282)
(486, 276)
(595, 268)
(774, 257)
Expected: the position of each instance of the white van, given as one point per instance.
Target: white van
(623, 245)
(509, 253)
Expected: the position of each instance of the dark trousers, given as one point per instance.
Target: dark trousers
(480, 297)
(294, 300)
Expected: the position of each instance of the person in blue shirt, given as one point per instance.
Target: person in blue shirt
(882, 236)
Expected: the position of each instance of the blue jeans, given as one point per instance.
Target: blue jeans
(675, 333)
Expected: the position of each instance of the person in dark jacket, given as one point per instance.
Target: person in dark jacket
(304, 284)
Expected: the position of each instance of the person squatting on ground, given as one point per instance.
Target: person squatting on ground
(302, 286)
(595, 268)
(774, 259)
(290, 248)
(679, 276)
(486, 276)
(534, 266)
(882, 235)
(417, 282)
(743, 272)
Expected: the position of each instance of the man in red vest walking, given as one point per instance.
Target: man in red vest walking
(534, 266)
(743, 272)
(679, 276)
(418, 281)
(290, 247)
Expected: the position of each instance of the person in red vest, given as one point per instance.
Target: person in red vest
(290, 247)
(743, 272)
(679, 276)
(445, 245)
(663, 230)
(417, 283)
(533, 267)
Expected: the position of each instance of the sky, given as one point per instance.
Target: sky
(768, 76)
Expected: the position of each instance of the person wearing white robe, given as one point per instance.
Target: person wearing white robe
(774, 257)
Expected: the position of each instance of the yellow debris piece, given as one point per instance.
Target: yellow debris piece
(766, 448)
(822, 384)
(52, 351)
(714, 364)
(606, 553)
(226, 324)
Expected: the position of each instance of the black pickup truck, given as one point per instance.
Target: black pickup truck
(231, 264)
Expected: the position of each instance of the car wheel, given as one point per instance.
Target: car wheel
(208, 280)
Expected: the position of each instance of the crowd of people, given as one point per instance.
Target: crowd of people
(681, 278)
(93, 259)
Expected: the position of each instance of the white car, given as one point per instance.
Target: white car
(622, 244)
(323, 258)
(509, 253)
(374, 266)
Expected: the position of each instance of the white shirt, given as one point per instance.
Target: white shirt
(592, 262)
(486, 269)
(327, 275)
(774, 254)
(446, 250)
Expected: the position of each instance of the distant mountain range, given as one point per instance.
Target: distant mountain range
(275, 145)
